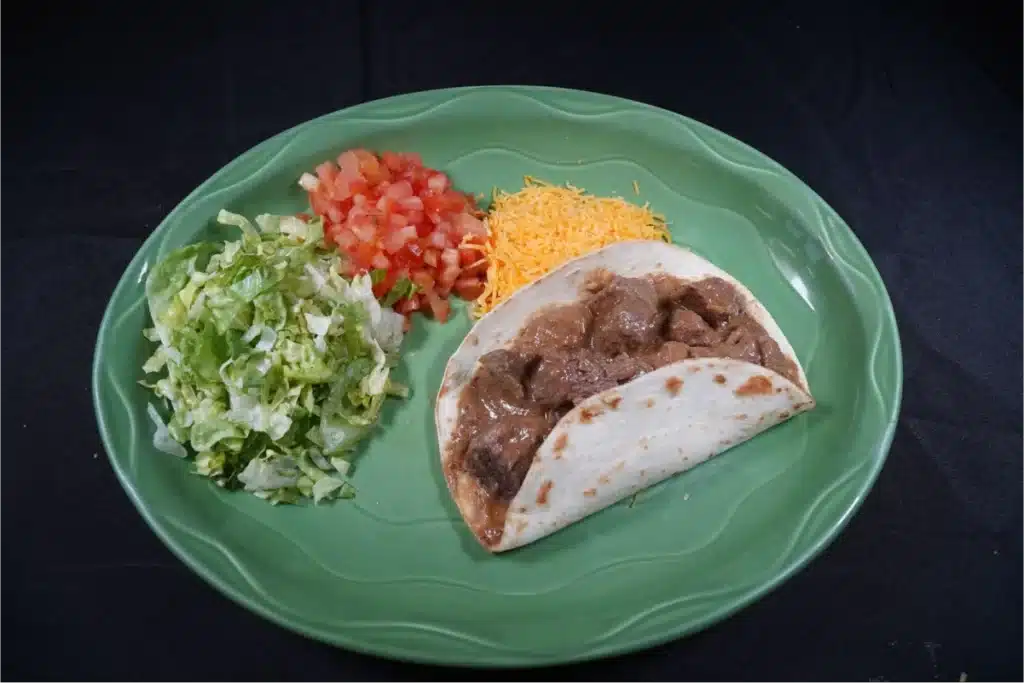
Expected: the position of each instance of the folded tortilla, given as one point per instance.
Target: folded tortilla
(626, 438)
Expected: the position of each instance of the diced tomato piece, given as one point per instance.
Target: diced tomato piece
(413, 159)
(348, 164)
(397, 220)
(411, 203)
(437, 240)
(477, 269)
(401, 192)
(398, 238)
(469, 253)
(423, 280)
(430, 257)
(439, 307)
(358, 186)
(318, 202)
(468, 225)
(393, 161)
(363, 228)
(345, 239)
(326, 172)
(371, 169)
(341, 188)
(469, 288)
(438, 182)
(364, 252)
(448, 277)
(450, 257)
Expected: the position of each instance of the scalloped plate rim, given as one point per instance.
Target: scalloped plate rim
(513, 658)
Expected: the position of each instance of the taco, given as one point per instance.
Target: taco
(609, 374)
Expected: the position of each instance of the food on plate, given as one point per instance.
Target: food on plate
(540, 227)
(404, 224)
(613, 372)
(273, 365)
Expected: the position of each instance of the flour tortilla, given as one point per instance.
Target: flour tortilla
(628, 438)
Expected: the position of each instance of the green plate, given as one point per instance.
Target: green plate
(395, 572)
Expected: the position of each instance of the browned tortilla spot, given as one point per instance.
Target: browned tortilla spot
(649, 403)
(560, 443)
(778, 390)
(612, 401)
(741, 416)
(589, 413)
(603, 479)
(695, 368)
(619, 465)
(758, 385)
(719, 379)
(444, 390)
(673, 385)
(521, 526)
(590, 493)
(784, 415)
(474, 340)
(542, 495)
(522, 509)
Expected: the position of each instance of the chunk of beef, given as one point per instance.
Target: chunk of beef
(686, 326)
(557, 327)
(498, 383)
(668, 288)
(713, 299)
(741, 346)
(626, 316)
(624, 367)
(743, 338)
(668, 353)
(499, 455)
(569, 377)
(739, 340)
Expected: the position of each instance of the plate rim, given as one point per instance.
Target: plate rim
(427, 655)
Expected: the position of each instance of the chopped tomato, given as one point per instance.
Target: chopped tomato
(390, 213)
(438, 307)
(469, 287)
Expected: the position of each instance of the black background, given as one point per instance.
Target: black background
(907, 119)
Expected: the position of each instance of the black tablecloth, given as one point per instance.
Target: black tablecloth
(907, 119)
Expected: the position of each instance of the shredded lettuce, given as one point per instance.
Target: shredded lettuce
(274, 367)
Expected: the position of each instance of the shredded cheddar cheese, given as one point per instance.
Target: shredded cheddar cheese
(540, 227)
